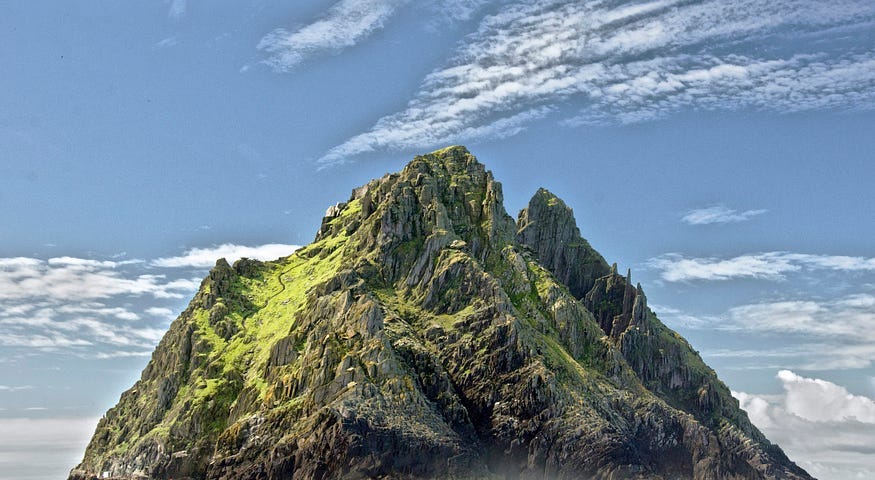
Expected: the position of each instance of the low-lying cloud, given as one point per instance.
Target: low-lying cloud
(99, 308)
(821, 425)
(42, 448)
(66, 278)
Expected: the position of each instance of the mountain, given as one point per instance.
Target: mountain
(425, 334)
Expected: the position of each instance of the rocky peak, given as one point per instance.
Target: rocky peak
(460, 195)
(611, 300)
(549, 228)
(660, 358)
(439, 198)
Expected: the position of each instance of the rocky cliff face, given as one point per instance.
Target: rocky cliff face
(425, 334)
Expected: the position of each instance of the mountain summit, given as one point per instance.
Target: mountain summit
(425, 334)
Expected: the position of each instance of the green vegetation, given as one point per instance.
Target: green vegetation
(273, 300)
(427, 320)
(412, 312)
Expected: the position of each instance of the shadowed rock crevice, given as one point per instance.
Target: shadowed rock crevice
(424, 334)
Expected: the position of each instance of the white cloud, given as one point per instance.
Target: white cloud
(349, 22)
(122, 354)
(160, 312)
(177, 9)
(719, 214)
(836, 334)
(460, 9)
(674, 317)
(165, 43)
(206, 257)
(99, 309)
(345, 24)
(81, 263)
(822, 401)
(629, 63)
(676, 268)
(18, 388)
(70, 278)
(768, 266)
(102, 308)
(64, 325)
(649, 90)
(756, 407)
(821, 425)
(830, 354)
(40, 341)
(846, 325)
(850, 317)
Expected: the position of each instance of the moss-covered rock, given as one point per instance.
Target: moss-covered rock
(424, 334)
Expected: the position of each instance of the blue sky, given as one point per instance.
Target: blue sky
(722, 150)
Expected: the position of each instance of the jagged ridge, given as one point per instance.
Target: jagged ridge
(425, 334)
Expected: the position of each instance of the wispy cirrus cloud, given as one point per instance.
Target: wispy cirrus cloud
(629, 62)
(165, 43)
(348, 23)
(461, 9)
(177, 9)
(767, 266)
(345, 24)
(719, 214)
(819, 423)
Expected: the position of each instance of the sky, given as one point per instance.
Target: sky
(721, 149)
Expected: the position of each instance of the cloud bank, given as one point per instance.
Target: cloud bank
(822, 425)
(73, 279)
(42, 448)
(104, 308)
(627, 62)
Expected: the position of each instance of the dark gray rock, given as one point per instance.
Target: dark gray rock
(424, 335)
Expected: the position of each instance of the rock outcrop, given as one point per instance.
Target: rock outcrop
(425, 334)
